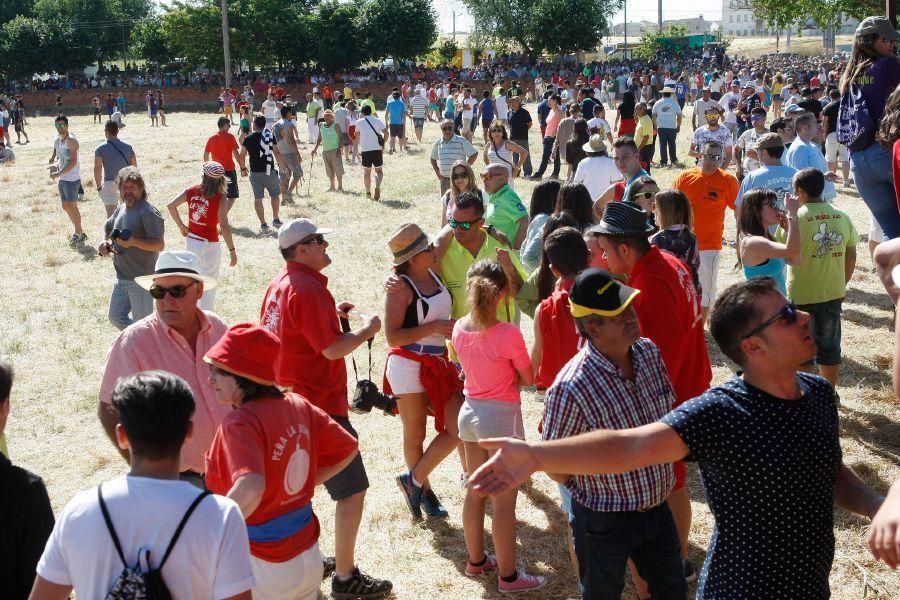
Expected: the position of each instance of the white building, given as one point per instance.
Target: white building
(739, 21)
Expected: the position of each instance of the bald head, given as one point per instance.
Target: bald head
(495, 176)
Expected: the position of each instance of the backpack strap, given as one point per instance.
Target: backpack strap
(181, 525)
(109, 526)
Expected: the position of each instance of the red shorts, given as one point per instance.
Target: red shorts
(680, 473)
(352, 131)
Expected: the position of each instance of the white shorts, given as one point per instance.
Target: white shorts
(403, 375)
(209, 255)
(295, 579)
(835, 152)
(109, 193)
(709, 274)
(875, 233)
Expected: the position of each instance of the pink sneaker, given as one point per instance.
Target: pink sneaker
(524, 583)
(490, 564)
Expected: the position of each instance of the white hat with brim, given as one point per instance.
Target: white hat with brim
(180, 263)
(668, 90)
(595, 145)
(296, 230)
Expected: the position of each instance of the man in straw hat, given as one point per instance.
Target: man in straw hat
(668, 311)
(300, 310)
(772, 483)
(134, 239)
(173, 339)
(597, 171)
(667, 120)
(616, 381)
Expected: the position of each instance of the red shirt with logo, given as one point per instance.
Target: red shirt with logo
(668, 310)
(221, 147)
(561, 340)
(286, 440)
(300, 310)
(203, 214)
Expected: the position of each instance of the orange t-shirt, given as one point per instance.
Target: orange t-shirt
(708, 195)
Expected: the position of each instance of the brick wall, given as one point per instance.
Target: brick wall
(78, 102)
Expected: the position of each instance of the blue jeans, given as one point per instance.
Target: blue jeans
(128, 298)
(874, 179)
(605, 540)
(526, 168)
(545, 159)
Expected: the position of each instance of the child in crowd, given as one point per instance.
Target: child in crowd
(676, 230)
(496, 362)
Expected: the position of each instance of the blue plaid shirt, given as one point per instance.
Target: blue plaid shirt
(591, 393)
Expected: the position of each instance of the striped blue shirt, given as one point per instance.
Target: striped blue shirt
(591, 393)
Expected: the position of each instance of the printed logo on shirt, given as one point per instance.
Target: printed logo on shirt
(271, 318)
(825, 240)
(198, 204)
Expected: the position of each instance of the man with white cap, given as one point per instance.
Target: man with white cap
(174, 338)
(134, 239)
(300, 310)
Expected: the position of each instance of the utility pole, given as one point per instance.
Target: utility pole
(454, 25)
(891, 10)
(225, 44)
(659, 29)
(625, 5)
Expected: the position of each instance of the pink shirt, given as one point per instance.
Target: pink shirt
(490, 359)
(150, 344)
(553, 121)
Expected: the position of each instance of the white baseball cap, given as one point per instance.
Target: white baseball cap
(297, 230)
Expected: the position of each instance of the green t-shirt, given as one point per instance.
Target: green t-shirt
(370, 103)
(825, 234)
(312, 110)
(504, 211)
(455, 264)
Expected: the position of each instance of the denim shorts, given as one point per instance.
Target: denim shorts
(481, 419)
(68, 190)
(826, 330)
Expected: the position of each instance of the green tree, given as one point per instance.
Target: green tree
(406, 28)
(336, 24)
(30, 46)
(446, 51)
(194, 32)
(149, 41)
(536, 25)
(282, 32)
(9, 9)
(650, 43)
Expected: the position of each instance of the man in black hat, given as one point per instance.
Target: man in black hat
(617, 381)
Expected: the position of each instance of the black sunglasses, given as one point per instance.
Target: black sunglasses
(466, 225)
(788, 312)
(317, 239)
(460, 175)
(644, 195)
(446, 129)
(177, 291)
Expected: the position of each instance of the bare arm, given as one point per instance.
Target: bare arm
(247, 492)
(225, 229)
(520, 233)
(849, 263)
(537, 349)
(348, 342)
(46, 590)
(851, 494)
(323, 474)
(98, 172)
(173, 212)
(884, 533)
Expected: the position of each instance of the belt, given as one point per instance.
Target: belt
(197, 237)
(425, 349)
(281, 527)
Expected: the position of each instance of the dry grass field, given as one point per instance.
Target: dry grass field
(55, 332)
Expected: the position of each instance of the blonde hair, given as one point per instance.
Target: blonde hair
(485, 282)
(473, 183)
(210, 186)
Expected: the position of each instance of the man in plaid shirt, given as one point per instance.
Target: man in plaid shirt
(617, 381)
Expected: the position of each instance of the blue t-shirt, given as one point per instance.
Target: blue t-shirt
(395, 110)
(666, 112)
(769, 468)
(777, 178)
(627, 192)
(543, 110)
(487, 110)
(120, 102)
(802, 155)
(680, 90)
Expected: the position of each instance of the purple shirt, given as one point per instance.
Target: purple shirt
(877, 84)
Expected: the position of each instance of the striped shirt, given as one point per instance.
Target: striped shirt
(447, 153)
(590, 393)
(418, 104)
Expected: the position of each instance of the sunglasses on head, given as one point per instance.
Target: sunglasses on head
(788, 312)
(460, 175)
(317, 239)
(159, 292)
(465, 225)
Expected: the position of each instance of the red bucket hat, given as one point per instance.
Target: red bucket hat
(248, 351)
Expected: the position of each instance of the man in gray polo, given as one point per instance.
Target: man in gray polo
(111, 157)
(448, 149)
(285, 132)
(134, 239)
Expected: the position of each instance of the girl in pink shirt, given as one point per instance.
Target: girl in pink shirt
(496, 362)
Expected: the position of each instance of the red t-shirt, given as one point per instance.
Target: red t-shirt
(279, 93)
(668, 310)
(327, 93)
(203, 214)
(221, 147)
(561, 340)
(300, 310)
(286, 440)
(619, 190)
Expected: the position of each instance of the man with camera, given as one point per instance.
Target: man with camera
(300, 310)
(134, 238)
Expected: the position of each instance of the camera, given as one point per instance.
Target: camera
(367, 396)
(116, 234)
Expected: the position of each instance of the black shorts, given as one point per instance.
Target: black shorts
(232, 184)
(397, 131)
(353, 479)
(97, 110)
(372, 158)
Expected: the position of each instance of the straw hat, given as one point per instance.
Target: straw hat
(408, 241)
(176, 263)
(595, 144)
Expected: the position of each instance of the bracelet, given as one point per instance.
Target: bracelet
(231, 249)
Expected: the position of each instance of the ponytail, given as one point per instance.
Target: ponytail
(486, 281)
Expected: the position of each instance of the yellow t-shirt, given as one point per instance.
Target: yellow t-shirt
(644, 128)
(455, 264)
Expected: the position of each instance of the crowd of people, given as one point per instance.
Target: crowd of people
(618, 276)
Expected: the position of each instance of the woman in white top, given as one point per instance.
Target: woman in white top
(417, 326)
(499, 150)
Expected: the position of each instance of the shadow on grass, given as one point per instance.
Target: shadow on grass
(879, 299)
(87, 252)
(866, 320)
(246, 232)
(401, 204)
(854, 372)
(879, 434)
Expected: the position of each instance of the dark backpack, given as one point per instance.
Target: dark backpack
(141, 582)
(855, 126)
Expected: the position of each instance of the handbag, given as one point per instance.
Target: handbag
(377, 135)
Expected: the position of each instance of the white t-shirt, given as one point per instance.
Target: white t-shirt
(502, 111)
(747, 141)
(271, 111)
(368, 141)
(211, 558)
(599, 123)
(729, 102)
(468, 104)
(597, 173)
